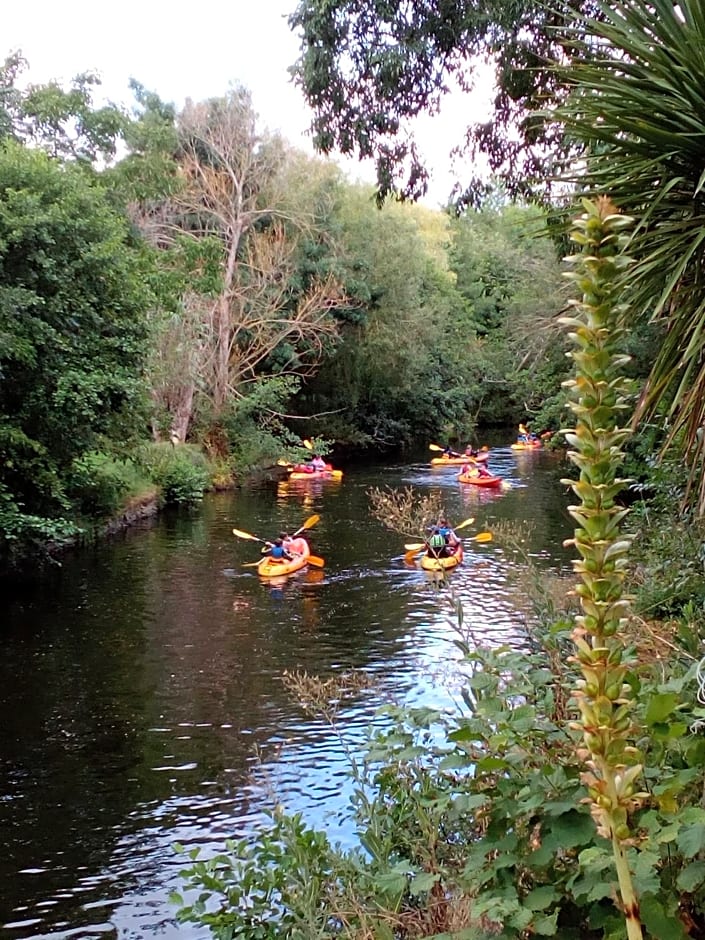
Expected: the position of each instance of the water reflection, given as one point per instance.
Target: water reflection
(141, 685)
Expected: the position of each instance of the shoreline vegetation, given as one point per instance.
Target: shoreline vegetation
(562, 795)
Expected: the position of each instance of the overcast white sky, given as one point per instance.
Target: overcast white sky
(193, 50)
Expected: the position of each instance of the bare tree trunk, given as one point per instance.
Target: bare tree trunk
(223, 325)
(182, 413)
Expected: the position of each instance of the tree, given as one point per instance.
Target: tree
(72, 324)
(638, 110)
(232, 218)
(512, 280)
(406, 359)
(64, 122)
(368, 68)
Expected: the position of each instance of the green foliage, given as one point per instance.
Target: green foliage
(72, 321)
(454, 325)
(368, 68)
(510, 278)
(275, 886)
(671, 560)
(181, 472)
(473, 821)
(98, 483)
(637, 110)
(64, 122)
(255, 431)
(27, 538)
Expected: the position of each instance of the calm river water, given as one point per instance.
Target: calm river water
(140, 684)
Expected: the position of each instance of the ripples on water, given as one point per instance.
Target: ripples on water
(144, 684)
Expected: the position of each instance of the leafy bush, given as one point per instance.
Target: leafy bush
(98, 483)
(180, 472)
(25, 537)
(473, 823)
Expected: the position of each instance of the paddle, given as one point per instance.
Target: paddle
(308, 524)
(462, 525)
(437, 447)
(415, 547)
(484, 449)
(307, 444)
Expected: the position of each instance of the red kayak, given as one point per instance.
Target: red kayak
(478, 479)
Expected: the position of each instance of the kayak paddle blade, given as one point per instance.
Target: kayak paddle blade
(482, 537)
(464, 524)
(246, 535)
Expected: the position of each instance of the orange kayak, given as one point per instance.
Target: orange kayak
(274, 568)
(429, 563)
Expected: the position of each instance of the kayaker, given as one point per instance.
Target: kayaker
(449, 452)
(278, 552)
(470, 451)
(294, 546)
(449, 535)
(436, 545)
(475, 469)
(318, 463)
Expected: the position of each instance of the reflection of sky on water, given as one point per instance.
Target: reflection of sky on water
(162, 656)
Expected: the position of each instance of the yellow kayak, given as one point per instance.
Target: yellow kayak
(429, 563)
(300, 473)
(458, 461)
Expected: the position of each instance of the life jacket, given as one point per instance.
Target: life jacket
(437, 540)
(297, 546)
(277, 551)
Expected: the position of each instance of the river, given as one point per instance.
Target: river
(141, 693)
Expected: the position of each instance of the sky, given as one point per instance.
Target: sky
(197, 50)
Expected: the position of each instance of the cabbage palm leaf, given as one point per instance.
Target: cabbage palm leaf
(638, 107)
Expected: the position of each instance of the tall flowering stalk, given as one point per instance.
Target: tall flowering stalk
(598, 394)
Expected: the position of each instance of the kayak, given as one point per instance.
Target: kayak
(274, 568)
(458, 461)
(478, 480)
(299, 472)
(527, 445)
(429, 563)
